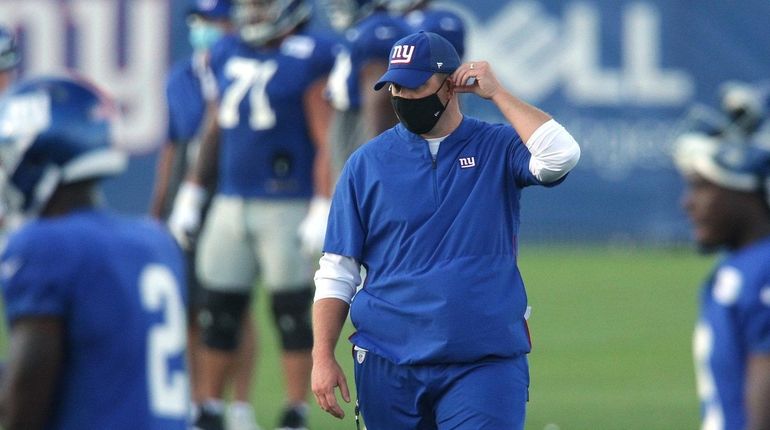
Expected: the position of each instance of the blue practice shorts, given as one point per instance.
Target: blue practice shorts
(490, 394)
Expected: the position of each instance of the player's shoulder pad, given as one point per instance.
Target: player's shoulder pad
(38, 240)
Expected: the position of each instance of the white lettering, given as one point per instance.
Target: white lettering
(538, 52)
(137, 85)
(402, 54)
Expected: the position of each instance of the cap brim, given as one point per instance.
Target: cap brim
(407, 78)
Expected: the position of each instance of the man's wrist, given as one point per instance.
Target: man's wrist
(501, 97)
(321, 354)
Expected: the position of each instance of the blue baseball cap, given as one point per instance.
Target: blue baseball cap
(415, 58)
(211, 9)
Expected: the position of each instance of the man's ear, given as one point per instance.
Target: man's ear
(450, 85)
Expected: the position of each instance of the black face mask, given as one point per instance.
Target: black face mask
(419, 115)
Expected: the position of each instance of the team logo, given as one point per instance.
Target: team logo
(467, 162)
(401, 54)
(360, 355)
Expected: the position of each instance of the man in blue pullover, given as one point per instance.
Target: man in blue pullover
(430, 208)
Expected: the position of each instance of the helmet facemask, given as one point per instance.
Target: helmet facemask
(262, 21)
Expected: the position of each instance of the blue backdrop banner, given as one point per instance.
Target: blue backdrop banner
(619, 74)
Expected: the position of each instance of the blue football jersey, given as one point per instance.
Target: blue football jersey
(734, 323)
(266, 150)
(185, 103)
(118, 287)
(370, 39)
(438, 240)
(440, 21)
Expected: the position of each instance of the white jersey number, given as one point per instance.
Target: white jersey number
(703, 346)
(249, 77)
(165, 341)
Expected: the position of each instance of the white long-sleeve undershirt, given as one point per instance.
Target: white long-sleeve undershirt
(554, 152)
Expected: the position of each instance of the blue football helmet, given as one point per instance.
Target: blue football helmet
(730, 162)
(53, 130)
(344, 13)
(403, 6)
(9, 50)
(743, 109)
(262, 21)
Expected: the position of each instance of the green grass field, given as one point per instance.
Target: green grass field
(611, 333)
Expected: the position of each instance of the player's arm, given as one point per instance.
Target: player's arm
(554, 151)
(162, 178)
(758, 392)
(336, 281)
(204, 170)
(185, 218)
(32, 373)
(329, 316)
(376, 108)
(481, 80)
(319, 112)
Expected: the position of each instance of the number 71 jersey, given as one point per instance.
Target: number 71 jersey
(266, 150)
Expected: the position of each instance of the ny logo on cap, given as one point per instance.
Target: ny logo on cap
(402, 54)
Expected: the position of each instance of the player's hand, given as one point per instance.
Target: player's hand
(326, 375)
(185, 217)
(312, 229)
(476, 77)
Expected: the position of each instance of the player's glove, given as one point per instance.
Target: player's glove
(312, 229)
(185, 218)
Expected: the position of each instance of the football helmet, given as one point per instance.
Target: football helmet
(261, 21)
(732, 163)
(9, 50)
(344, 13)
(743, 109)
(53, 130)
(403, 6)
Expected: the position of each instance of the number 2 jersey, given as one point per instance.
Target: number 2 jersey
(734, 323)
(266, 150)
(117, 286)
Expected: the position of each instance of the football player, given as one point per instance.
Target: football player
(190, 89)
(421, 15)
(95, 302)
(9, 61)
(269, 151)
(9, 58)
(360, 112)
(727, 202)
